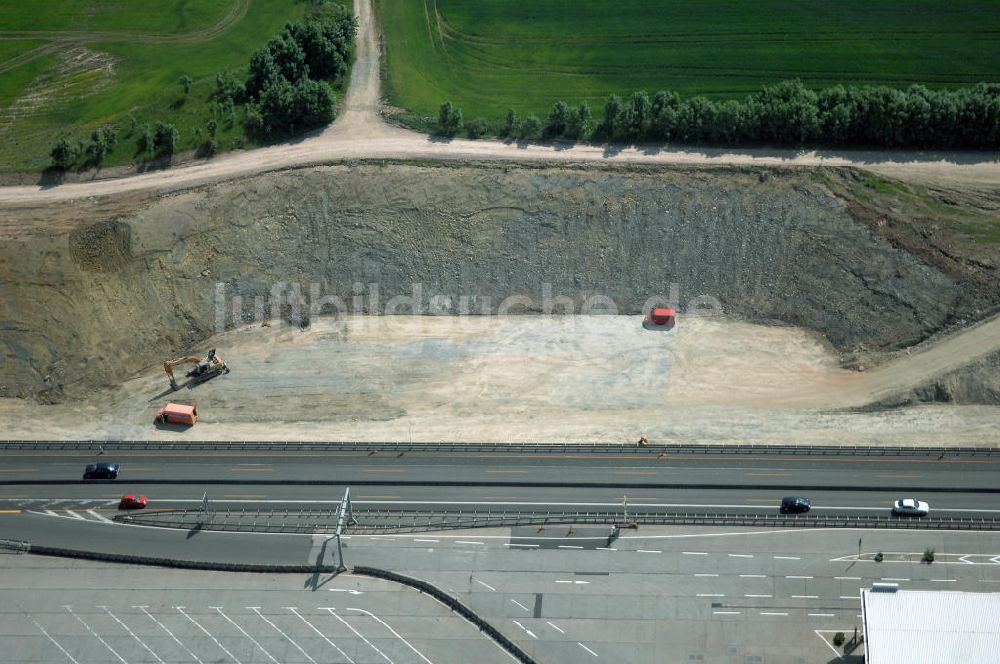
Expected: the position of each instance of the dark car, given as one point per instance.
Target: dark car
(100, 471)
(794, 505)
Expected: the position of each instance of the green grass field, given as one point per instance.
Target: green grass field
(488, 55)
(68, 66)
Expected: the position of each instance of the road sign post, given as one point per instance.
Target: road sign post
(204, 503)
(345, 518)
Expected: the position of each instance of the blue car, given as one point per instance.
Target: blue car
(100, 471)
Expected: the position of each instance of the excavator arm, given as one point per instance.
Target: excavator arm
(168, 367)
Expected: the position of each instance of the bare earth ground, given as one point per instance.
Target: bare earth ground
(359, 133)
(531, 378)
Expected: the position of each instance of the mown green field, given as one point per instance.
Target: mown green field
(96, 62)
(488, 55)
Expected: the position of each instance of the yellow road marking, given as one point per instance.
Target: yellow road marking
(10, 511)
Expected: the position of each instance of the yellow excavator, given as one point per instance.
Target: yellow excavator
(204, 369)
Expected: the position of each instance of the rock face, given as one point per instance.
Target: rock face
(91, 308)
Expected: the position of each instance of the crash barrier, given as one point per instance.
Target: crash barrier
(506, 448)
(453, 604)
(370, 522)
(178, 564)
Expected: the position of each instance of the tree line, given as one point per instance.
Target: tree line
(785, 114)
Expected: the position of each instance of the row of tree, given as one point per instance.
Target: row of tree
(787, 113)
(159, 141)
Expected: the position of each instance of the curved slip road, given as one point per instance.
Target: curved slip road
(360, 134)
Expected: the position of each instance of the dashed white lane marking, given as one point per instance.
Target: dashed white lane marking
(892, 578)
(605, 548)
(349, 591)
(694, 553)
(944, 580)
(54, 642)
(468, 542)
(533, 546)
(99, 517)
(358, 634)
(485, 585)
(95, 634)
(710, 595)
(521, 605)
(753, 576)
(848, 578)
(256, 609)
(208, 634)
(555, 627)
(323, 636)
(759, 596)
(706, 575)
(395, 633)
(586, 648)
(579, 583)
(798, 577)
(787, 558)
(740, 555)
(820, 615)
(132, 634)
(772, 613)
(166, 629)
(526, 630)
(244, 633)
(568, 546)
(805, 596)
(850, 597)
(726, 613)
(647, 551)
(430, 541)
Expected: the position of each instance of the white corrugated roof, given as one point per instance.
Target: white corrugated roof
(932, 627)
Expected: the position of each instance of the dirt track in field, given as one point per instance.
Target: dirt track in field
(360, 134)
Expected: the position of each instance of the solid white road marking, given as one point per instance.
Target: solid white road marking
(74, 515)
(586, 648)
(167, 630)
(208, 634)
(358, 634)
(485, 585)
(521, 605)
(99, 517)
(95, 634)
(256, 609)
(132, 634)
(244, 633)
(54, 642)
(554, 627)
(396, 634)
(321, 634)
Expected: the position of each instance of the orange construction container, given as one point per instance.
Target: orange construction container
(177, 413)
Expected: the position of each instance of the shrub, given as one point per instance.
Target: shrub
(165, 139)
(449, 119)
(477, 128)
(928, 555)
(838, 639)
(64, 153)
(530, 128)
(512, 123)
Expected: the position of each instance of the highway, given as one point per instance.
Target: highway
(842, 484)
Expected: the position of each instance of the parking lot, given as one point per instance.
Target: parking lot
(106, 613)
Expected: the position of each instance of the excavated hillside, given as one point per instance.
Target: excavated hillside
(873, 266)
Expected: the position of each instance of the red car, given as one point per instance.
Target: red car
(130, 501)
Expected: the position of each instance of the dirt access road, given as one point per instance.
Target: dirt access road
(360, 134)
(530, 378)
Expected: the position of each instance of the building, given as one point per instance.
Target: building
(930, 627)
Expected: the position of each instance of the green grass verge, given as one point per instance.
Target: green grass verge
(146, 16)
(140, 77)
(488, 55)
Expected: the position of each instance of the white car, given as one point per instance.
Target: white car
(910, 507)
